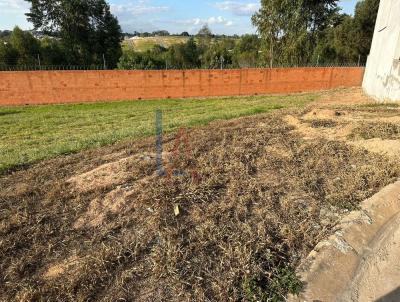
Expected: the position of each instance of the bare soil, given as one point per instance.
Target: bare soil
(252, 198)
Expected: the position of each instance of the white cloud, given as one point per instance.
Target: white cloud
(141, 7)
(14, 5)
(150, 15)
(211, 21)
(238, 8)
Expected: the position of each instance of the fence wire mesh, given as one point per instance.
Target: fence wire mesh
(5, 67)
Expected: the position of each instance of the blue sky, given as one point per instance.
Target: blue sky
(224, 17)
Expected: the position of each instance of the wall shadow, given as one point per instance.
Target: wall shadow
(393, 296)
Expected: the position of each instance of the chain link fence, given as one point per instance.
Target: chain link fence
(37, 67)
(4, 67)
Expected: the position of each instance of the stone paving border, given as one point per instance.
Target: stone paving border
(336, 264)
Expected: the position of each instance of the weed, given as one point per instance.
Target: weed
(284, 281)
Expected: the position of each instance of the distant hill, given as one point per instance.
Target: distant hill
(142, 44)
(146, 43)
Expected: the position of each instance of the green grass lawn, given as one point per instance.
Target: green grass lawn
(32, 133)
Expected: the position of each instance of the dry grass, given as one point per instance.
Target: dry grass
(323, 124)
(383, 130)
(263, 198)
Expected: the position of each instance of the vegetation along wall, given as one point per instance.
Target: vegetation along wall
(46, 87)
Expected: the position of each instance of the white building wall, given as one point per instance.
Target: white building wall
(382, 73)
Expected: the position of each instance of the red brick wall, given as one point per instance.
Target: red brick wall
(44, 87)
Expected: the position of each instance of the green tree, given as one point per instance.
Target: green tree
(184, 56)
(338, 44)
(52, 52)
(161, 33)
(247, 52)
(290, 28)
(5, 34)
(151, 59)
(364, 25)
(87, 28)
(349, 40)
(26, 45)
(8, 54)
(205, 31)
(107, 36)
(219, 53)
(204, 38)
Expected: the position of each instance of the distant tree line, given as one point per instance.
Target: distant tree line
(165, 33)
(203, 50)
(289, 32)
(157, 33)
(21, 48)
(5, 33)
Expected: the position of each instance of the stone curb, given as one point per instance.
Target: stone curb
(331, 269)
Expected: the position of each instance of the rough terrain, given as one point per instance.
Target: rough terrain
(242, 203)
(359, 262)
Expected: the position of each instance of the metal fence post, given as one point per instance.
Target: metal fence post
(159, 142)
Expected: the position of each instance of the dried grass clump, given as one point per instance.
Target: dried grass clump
(323, 124)
(262, 200)
(381, 130)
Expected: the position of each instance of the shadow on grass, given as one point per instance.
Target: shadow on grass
(11, 112)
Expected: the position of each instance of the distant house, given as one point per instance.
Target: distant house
(382, 74)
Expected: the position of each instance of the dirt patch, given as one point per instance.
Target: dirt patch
(370, 128)
(113, 173)
(108, 174)
(67, 266)
(113, 202)
(267, 189)
(320, 128)
(117, 201)
(302, 128)
(324, 114)
(340, 97)
(377, 145)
